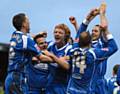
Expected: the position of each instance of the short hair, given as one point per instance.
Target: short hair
(115, 68)
(71, 40)
(97, 25)
(85, 39)
(66, 29)
(118, 76)
(38, 36)
(100, 28)
(18, 21)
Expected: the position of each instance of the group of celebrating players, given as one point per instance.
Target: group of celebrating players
(65, 66)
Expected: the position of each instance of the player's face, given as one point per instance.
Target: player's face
(95, 33)
(26, 25)
(59, 35)
(42, 43)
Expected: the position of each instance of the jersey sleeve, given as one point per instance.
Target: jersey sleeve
(82, 28)
(104, 53)
(30, 45)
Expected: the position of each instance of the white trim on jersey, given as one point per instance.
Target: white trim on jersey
(50, 44)
(97, 41)
(61, 47)
(86, 22)
(68, 48)
(109, 36)
(115, 91)
(19, 32)
(74, 49)
(91, 51)
(24, 37)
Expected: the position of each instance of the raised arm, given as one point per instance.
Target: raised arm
(110, 49)
(103, 19)
(91, 15)
(111, 46)
(73, 21)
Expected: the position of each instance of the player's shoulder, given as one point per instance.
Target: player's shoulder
(50, 44)
(111, 81)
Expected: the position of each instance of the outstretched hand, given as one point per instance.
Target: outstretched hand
(72, 20)
(103, 8)
(93, 13)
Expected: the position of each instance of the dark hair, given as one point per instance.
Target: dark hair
(100, 28)
(38, 36)
(18, 21)
(71, 40)
(85, 39)
(115, 68)
(97, 25)
(118, 76)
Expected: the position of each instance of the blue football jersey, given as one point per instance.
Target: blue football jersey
(59, 75)
(101, 69)
(116, 89)
(111, 84)
(22, 48)
(83, 65)
(113, 87)
(38, 75)
(82, 28)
